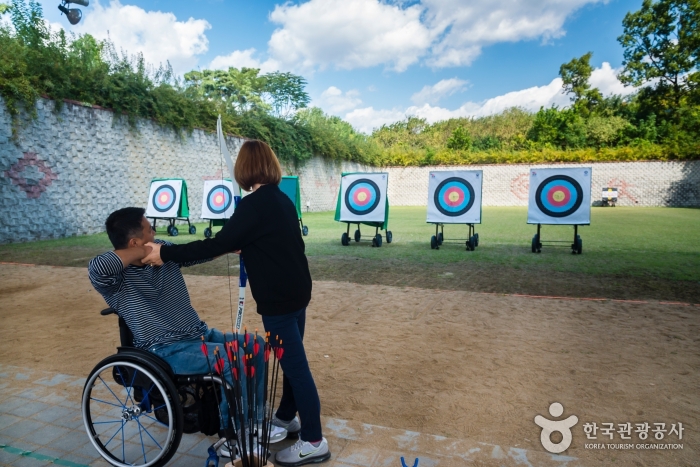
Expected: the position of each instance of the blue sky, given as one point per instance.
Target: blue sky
(373, 62)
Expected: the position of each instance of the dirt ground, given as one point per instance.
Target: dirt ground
(453, 363)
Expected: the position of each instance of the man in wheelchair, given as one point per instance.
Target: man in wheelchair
(154, 305)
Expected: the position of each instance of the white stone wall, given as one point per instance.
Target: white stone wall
(65, 172)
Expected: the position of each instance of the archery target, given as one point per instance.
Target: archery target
(560, 196)
(363, 197)
(454, 196)
(217, 199)
(164, 198)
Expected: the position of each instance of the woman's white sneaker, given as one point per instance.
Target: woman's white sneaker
(293, 427)
(303, 452)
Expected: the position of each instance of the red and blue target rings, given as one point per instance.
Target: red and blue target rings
(454, 196)
(164, 198)
(559, 196)
(362, 196)
(219, 199)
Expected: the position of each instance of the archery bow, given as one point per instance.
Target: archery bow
(236, 199)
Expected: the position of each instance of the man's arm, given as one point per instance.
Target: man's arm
(105, 271)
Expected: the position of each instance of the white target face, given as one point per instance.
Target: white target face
(363, 197)
(217, 199)
(454, 196)
(560, 196)
(164, 198)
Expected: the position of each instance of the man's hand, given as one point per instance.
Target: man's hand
(133, 255)
(153, 258)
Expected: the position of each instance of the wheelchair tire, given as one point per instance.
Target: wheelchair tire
(132, 412)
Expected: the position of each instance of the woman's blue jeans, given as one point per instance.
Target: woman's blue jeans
(186, 358)
(299, 392)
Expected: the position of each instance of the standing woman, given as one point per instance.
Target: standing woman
(265, 229)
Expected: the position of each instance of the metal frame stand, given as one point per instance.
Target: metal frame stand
(209, 231)
(376, 239)
(471, 242)
(576, 246)
(171, 229)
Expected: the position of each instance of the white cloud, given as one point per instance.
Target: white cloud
(243, 58)
(367, 119)
(468, 26)
(158, 35)
(443, 88)
(349, 34)
(604, 78)
(334, 101)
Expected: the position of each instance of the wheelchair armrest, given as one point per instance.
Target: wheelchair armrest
(108, 311)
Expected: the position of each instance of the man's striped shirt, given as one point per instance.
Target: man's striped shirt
(153, 301)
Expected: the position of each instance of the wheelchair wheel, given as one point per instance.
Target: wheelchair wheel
(132, 413)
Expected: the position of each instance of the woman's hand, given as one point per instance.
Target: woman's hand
(153, 258)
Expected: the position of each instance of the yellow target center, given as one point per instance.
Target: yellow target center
(163, 198)
(361, 196)
(558, 196)
(218, 199)
(454, 196)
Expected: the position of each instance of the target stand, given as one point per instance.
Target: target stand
(362, 199)
(167, 200)
(576, 246)
(560, 196)
(290, 187)
(217, 203)
(357, 236)
(454, 197)
(471, 242)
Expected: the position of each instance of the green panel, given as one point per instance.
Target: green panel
(290, 187)
(184, 210)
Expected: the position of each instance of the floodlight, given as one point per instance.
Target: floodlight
(79, 2)
(73, 14)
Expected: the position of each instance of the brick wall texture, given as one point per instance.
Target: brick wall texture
(64, 172)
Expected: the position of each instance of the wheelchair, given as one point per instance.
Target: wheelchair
(135, 409)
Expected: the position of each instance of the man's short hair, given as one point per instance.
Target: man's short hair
(256, 163)
(123, 225)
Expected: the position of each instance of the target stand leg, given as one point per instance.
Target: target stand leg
(434, 240)
(537, 240)
(577, 246)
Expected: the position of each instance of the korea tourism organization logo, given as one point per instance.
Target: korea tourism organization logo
(608, 435)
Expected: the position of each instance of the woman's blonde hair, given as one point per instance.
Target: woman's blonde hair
(256, 163)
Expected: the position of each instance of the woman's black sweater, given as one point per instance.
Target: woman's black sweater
(265, 227)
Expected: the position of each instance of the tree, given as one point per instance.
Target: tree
(240, 89)
(4, 7)
(575, 75)
(661, 44)
(285, 93)
(459, 139)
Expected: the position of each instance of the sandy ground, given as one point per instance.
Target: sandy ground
(451, 363)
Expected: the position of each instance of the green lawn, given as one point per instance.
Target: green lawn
(662, 242)
(652, 242)
(628, 253)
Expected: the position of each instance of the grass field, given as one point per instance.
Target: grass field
(627, 253)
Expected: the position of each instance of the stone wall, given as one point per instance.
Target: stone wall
(639, 183)
(65, 172)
